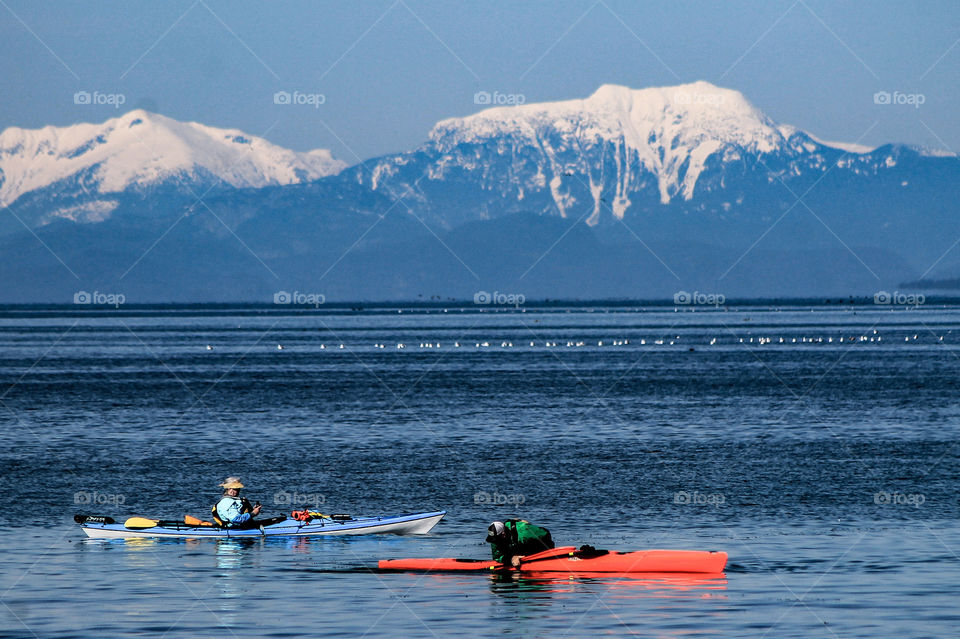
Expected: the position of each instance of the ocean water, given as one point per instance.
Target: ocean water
(825, 465)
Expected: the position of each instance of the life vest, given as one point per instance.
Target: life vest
(245, 507)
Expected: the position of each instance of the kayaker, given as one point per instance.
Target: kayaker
(234, 511)
(516, 538)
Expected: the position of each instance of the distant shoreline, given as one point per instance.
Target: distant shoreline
(548, 305)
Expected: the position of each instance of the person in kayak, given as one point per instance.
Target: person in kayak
(515, 538)
(234, 511)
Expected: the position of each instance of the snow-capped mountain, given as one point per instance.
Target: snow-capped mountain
(626, 193)
(669, 132)
(76, 169)
(618, 150)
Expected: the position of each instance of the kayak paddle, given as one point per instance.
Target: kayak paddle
(552, 553)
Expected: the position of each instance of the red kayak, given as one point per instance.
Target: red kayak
(569, 559)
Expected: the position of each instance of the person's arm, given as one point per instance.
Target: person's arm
(505, 554)
(247, 508)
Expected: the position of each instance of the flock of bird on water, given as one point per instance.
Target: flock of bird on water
(875, 337)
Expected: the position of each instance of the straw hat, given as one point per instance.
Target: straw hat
(232, 482)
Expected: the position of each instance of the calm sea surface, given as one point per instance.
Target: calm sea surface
(826, 465)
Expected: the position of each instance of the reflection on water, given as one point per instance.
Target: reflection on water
(636, 584)
(230, 555)
(662, 599)
(233, 559)
(298, 544)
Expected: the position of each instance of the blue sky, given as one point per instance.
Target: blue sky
(389, 69)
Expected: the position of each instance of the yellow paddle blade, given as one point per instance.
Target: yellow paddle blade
(140, 522)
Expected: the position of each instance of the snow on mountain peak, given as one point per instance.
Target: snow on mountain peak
(668, 131)
(849, 147)
(141, 148)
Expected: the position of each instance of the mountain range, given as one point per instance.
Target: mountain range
(628, 193)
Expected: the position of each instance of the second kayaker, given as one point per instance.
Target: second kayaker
(234, 511)
(513, 539)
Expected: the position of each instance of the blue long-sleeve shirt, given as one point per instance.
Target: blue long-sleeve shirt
(230, 510)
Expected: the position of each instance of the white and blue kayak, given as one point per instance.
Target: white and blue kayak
(414, 524)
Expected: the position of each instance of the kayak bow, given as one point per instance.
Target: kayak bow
(415, 524)
(569, 559)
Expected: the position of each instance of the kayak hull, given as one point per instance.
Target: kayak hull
(571, 560)
(414, 524)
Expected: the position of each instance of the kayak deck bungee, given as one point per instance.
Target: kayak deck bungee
(570, 559)
(413, 524)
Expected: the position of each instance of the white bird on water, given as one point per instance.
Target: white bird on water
(279, 347)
